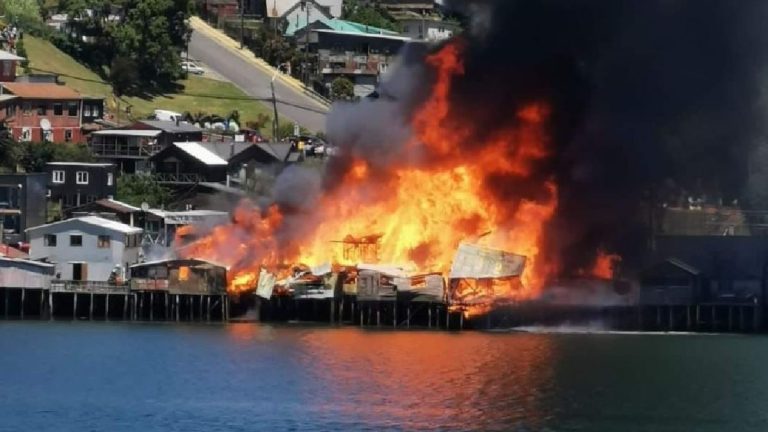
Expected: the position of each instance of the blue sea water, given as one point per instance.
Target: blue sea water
(250, 377)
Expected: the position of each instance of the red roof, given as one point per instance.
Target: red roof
(41, 90)
(11, 252)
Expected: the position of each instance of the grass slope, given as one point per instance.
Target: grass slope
(199, 94)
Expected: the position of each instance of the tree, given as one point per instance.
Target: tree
(367, 14)
(136, 189)
(34, 155)
(342, 89)
(21, 51)
(10, 151)
(25, 13)
(123, 76)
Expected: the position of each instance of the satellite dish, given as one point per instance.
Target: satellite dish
(45, 124)
(144, 206)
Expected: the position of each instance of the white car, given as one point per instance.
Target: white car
(192, 68)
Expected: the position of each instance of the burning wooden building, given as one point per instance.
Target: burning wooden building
(178, 289)
(482, 276)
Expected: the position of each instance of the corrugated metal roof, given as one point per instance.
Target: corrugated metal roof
(300, 22)
(201, 153)
(91, 164)
(278, 8)
(171, 126)
(117, 205)
(5, 55)
(95, 221)
(128, 132)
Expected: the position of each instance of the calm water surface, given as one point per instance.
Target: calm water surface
(245, 377)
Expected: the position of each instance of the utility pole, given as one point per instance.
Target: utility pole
(274, 107)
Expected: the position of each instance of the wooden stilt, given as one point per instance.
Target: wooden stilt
(447, 319)
(125, 307)
(151, 305)
(177, 308)
(408, 317)
(190, 308)
(74, 308)
(378, 314)
(394, 314)
(429, 315)
(106, 308)
(689, 319)
(352, 310)
(226, 302)
(50, 304)
(461, 320)
(208, 308)
(90, 308)
(361, 316)
(698, 317)
(141, 305)
(341, 310)
(333, 309)
(741, 319)
(21, 308)
(42, 304)
(730, 318)
(200, 307)
(671, 318)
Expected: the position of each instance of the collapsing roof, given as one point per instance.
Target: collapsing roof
(478, 262)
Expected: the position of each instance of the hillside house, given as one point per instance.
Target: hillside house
(46, 111)
(86, 248)
(73, 184)
(188, 163)
(360, 57)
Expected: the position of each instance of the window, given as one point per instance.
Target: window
(26, 134)
(76, 240)
(26, 107)
(67, 135)
(86, 110)
(8, 67)
(49, 240)
(48, 135)
(58, 176)
(103, 241)
(81, 177)
(72, 109)
(110, 179)
(58, 109)
(41, 109)
(90, 198)
(10, 110)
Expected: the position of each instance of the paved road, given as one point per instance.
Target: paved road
(254, 81)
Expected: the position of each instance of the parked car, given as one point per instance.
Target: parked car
(192, 68)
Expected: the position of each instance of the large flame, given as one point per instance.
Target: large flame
(419, 211)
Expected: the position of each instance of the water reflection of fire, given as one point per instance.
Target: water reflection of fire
(421, 210)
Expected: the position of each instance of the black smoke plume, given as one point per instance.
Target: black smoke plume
(647, 96)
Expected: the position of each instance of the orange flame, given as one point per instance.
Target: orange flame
(422, 210)
(604, 265)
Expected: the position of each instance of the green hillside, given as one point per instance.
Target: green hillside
(199, 94)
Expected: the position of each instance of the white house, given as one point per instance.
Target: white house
(427, 28)
(87, 248)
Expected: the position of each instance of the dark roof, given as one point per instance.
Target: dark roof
(264, 152)
(171, 126)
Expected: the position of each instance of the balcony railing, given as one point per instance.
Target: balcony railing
(182, 178)
(89, 287)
